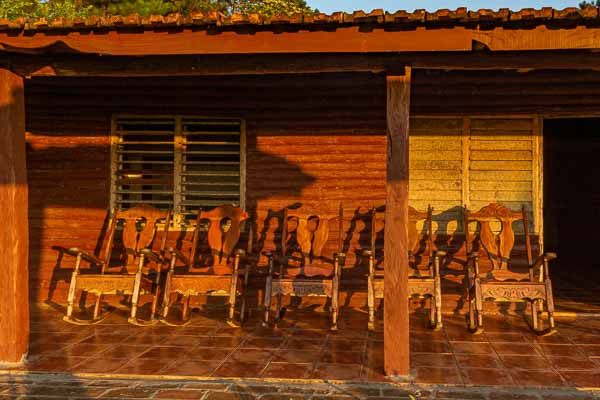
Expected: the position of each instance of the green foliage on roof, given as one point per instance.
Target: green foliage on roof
(50, 9)
(593, 3)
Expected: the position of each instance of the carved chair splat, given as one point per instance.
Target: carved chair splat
(303, 270)
(424, 283)
(135, 230)
(500, 284)
(217, 271)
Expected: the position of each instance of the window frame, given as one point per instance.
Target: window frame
(178, 146)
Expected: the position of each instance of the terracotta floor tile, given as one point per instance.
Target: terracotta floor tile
(582, 378)
(537, 378)
(342, 357)
(484, 376)
(526, 362)
(107, 338)
(478, 361)
(585, 338)
(303, 344)
(463, 335)
(471, 348)
(164, 352)
(437, 375)
(560, 350)
(337, 371)
(149, 339)
(192, 368)
(262, 343)
(297, 356)
(227, 342)
(45, 347)
(56, 364)
(180, 394)
(316, 334)
(144, 367)
(124, 351)
(288, 370)
(433, 360)
(208, 353)
(504, 348)
(100, 365)
(428, 346)
(238, 369)
(84, 350)
(557, 338)
(591, 350)
(572, 363)
(129, 393)
(189, 341)
(252, 355)
(509, 337)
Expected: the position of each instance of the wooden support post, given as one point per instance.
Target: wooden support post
(14, 232)
(396, 329)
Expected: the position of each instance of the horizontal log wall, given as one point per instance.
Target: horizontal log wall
(310, 139)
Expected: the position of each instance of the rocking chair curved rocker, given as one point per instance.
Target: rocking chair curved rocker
(137, 227)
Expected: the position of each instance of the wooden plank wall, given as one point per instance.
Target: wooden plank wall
(310, 139)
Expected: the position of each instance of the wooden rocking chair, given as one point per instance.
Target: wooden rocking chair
(501, 284)
(302, 269)
(424, 281)
(216, 273)
(137, 227)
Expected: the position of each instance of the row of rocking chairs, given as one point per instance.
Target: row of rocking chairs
(299, 267)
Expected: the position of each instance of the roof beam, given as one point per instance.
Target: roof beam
(93, 65)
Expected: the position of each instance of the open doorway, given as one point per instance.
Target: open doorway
(572, 199)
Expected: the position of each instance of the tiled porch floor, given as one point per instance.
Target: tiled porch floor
(507, 354)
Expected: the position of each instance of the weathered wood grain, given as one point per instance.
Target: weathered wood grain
(396, 321)
(14, 235)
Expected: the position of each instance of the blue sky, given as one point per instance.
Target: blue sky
(329, 6)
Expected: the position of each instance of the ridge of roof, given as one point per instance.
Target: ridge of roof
(399, 19)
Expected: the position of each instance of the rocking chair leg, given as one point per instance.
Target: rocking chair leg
(371, 305)
(186, 304)
(534, 315)
(334, 312)
(243, 308)
(472, 319)
(278, 307)
(166, 305)
(267, 301)
(432, 313)
(97, 306)
(438, 311)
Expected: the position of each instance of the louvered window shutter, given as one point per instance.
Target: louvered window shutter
(143, 157)
(181, 163)
(211, 163)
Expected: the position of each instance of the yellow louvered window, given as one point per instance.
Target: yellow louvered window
(179, 162)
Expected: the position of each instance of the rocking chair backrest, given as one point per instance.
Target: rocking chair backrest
(311, 228)
(498, 246)
(138, 229)
(415, 238)
(222, 237)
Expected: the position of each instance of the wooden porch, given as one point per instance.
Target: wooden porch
(302, 347)
(323, 130)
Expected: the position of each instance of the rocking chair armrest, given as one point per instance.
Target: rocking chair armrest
(439, 253)
(74, 251)
(539, 262)
(148, 253)
(177, 254)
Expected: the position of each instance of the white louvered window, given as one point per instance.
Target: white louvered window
(181, 163)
